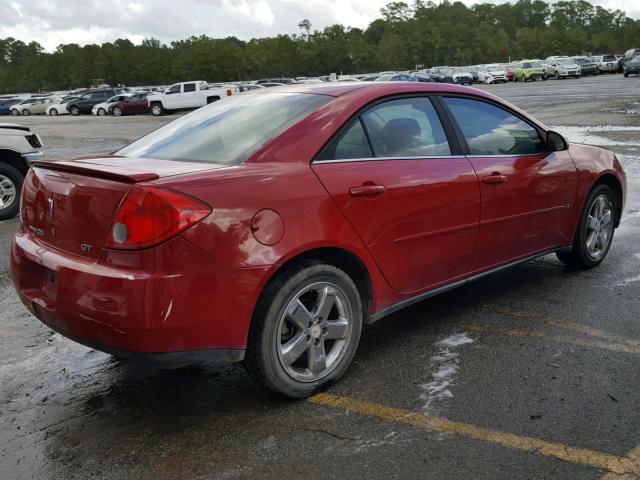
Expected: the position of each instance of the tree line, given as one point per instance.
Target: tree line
(423, 33)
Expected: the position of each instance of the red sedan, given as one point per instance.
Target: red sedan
(136, 103)
(270, 227)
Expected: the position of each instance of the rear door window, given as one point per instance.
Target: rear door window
(189, 87)
(491, 130)
(406, 127)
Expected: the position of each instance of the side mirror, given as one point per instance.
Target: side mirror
(556, 142)
(168, 92)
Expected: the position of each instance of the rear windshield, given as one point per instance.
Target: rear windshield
(228, 131)
(609, 58)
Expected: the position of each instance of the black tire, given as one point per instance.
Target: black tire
(74, 110)
(262, 359)
(117, 111)
(26, 112)
(579, 256)
(157, 109)
(102, 112)
(53, 112)
(212, 99)
(15, 112)
(626, 74)
(15, 177)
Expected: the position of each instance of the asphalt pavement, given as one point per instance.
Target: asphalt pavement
(531, 373)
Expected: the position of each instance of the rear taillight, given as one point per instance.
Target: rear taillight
(149, 216)
(229, 92)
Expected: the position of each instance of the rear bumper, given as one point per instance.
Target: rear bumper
(171, 299)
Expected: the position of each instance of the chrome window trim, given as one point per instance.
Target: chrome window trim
(372, 159)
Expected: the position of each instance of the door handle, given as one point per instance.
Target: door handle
(366, 190)
(494, 178)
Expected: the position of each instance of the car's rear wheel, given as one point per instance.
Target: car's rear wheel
(75, 111)
(305, 331)
(595, 231)
(10, 186)
(26, 111)
(102, 112)
(117, 111)
(15, 112)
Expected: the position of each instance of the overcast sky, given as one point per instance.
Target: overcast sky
(52, 22)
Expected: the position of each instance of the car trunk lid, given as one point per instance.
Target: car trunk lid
(71, 205)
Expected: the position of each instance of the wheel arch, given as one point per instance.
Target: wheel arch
(338, 257)
(613, 182)
(14, 158)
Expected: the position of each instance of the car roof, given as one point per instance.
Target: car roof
(336, 89)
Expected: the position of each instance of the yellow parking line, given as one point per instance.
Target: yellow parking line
(582, 456)
(577, 327)
(614, 347)
(634, 456)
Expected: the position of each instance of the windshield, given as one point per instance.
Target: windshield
(228, 131)
(494, 66)
(565, 61)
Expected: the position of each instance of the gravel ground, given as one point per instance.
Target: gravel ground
(530, 373)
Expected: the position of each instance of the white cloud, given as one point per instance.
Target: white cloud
(52, 22)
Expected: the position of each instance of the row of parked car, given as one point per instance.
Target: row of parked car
(186, 95)
(120, 101)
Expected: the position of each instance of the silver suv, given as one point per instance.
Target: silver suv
(606, 63)
(19, 147)
(562, 67)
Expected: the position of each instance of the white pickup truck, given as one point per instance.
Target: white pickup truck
(186, 95)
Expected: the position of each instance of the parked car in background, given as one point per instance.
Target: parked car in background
(136, 103)
(370, 78)
(34, 106)
(104, 108)
(18, 148)
(528, 70)
(197, 237)
(628, 55)
(562, 67)
(473, 70)
(284, 81)
(396, 78)
(606, 63)
(5, 105)
(271, 84)
(86, 101)
(60, 108)
(423, 77)
(491, 73)
(631, 67)
(587, 66)
(510, 70)
(462, 76)
(247, 87)
(441, 74)
(187, 95)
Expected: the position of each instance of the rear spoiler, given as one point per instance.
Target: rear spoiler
(96, 170)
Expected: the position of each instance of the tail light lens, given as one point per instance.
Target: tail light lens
(229, 92)
(149, 216)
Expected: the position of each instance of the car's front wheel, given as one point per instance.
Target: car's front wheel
(595, 231)
(75, 111)
(53, 112)
(102, 112)
(10, 185)
(117, 111)
(306, 329)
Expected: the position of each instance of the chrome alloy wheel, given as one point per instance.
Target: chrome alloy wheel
(7, 191)
(599, 227)
(314, 331)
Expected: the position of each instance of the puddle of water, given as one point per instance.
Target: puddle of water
(444, 368)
